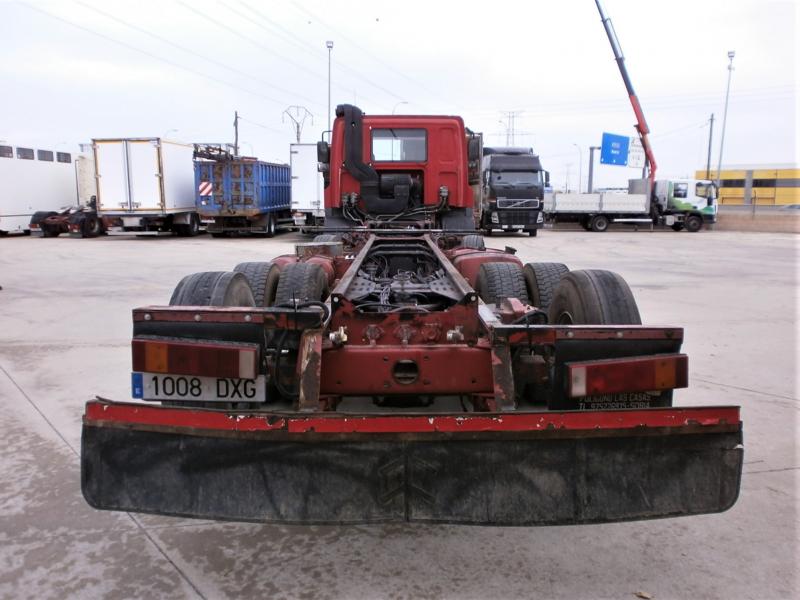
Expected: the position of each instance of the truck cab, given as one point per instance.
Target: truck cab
(513, 190)
(397, 170)
(691, 202)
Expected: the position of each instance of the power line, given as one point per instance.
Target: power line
(303, 45)
(155, 56)
(366, 52)
(239, 34)
(189, 50)
(298, 44)
(267, 127)
(298, 119)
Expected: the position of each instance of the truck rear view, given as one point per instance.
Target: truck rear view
(241, 195)
(407, 374)
(145, 186)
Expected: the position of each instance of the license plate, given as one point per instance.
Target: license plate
(157, 386)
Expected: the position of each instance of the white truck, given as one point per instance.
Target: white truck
(34, 180)
(679, 204)
(146, 186)
(307, 191)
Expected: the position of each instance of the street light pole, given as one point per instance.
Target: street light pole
(329, 46)
(591, 168)
(580, 166)
(731, 54)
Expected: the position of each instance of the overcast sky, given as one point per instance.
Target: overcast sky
(74, 70)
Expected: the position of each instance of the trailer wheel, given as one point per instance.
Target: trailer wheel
(213, 288)
(541, 279)
(593, 297)
(263, 279)
(90, 227)
(499, 280)
(270, 226)
(599, 223)
(473, 241)
(49, 232)
(190, 229)
(694, 223)
(303, 282)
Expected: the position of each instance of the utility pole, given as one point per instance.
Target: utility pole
(236, 133)
(731, 54)
(591, 168)
(329, 46)
(297, 119)
(511, 117)
(580, 167)
(710, 138)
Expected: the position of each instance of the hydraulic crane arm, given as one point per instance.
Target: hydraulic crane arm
(641, 124)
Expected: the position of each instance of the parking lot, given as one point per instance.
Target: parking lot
(65, 337)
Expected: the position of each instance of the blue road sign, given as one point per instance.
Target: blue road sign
(614, 149)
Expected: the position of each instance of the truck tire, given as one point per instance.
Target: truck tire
(473, 241)
(90, 226)
(677, 227)
(270, 226)
(599, 223)
(541, 279)
(213, 288)
(533, 232)
(302, 282)
(263, 279)
(49, 232)
(499, 280)
(190, 229)
(694, 223)
(327, 237)
(593, 297)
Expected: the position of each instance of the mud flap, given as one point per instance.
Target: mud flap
(544, 481)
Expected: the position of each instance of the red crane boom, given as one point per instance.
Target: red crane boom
(641, 124)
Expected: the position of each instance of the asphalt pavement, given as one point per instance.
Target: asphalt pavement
(65, 327)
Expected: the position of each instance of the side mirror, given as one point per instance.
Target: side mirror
(323, 152)
(474, 149)
(547, 179)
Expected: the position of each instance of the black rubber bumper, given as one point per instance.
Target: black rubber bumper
(552, 481)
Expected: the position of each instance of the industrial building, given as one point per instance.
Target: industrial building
(768, 185)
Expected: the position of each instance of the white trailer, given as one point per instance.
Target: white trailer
(596, 211)
(33, 179)
(146, 186)
(307, 186)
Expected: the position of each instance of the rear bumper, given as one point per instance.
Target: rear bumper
(482, 469)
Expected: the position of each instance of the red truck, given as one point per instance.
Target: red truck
(395, 369)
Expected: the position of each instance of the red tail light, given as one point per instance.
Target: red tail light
(202, 359)
(638, 374)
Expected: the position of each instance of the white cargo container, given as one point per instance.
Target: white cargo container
(307, 186)
(33, 179)
(146, 186)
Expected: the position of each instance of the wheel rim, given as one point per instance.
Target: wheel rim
(564, 318)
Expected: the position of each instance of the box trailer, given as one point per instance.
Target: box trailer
(34, 180)
(307, 186)
(242, 195)
(146, 186)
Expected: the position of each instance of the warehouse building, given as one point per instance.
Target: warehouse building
(768, 185)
